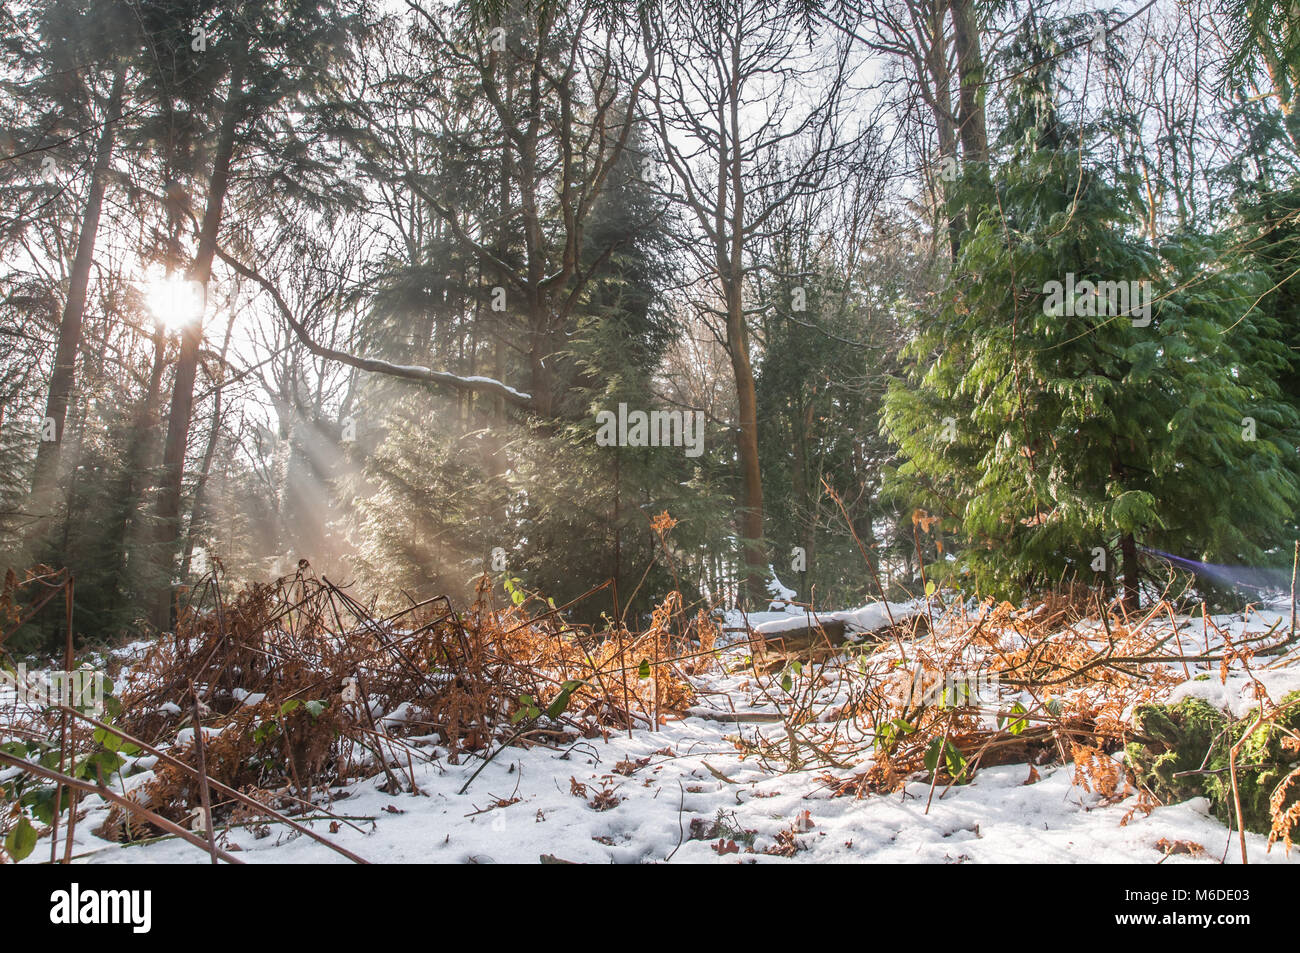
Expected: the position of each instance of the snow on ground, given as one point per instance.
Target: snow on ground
(659, 796)
(667, 789)
(995, 819)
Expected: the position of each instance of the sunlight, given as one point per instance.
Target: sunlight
(173, 300)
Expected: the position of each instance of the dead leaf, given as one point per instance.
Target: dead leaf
(1168, 847)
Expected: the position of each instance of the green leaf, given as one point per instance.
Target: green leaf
(109, 740)
(101, 762)
(561, 701)
(929, 588)
(952, 758)
(264, 731)
(21, 840)
(932, 754)
(518, 597)
(1017, 725)
(40, 801)
(292, 705)
(316, 708)
(643, 670)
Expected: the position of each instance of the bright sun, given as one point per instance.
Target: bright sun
(173, 300)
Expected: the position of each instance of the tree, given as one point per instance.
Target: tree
(273, 51)
(1266, 37)
(1078, 392)
(726, 107)
(70, 37)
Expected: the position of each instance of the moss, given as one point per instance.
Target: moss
(1182, 752)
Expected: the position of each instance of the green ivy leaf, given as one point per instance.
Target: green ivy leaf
(101, 762)
(932, 754)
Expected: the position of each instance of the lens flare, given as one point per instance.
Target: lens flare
(1241, 577)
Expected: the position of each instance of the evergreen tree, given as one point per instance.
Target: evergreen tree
(1058, 425)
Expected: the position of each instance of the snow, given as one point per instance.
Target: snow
(865, 619)
(683, 777)
(995, 819)
(1240, 694)
(782, 595)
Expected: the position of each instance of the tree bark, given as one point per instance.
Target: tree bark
(750, 515)
(63, 377)
(1132, 578)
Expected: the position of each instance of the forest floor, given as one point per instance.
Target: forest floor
(721, 783)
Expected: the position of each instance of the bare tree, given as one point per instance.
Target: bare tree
(749, 119)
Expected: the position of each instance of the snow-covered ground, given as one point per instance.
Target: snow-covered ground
(687, 794)
(692, 772)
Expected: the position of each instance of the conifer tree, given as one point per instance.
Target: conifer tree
(1078, 395)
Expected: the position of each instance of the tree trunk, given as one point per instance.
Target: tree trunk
(1132, 579)
(940, 83)
(750, 518)
(214, 435)
(182, 404)
(970, 69)
(65, 360)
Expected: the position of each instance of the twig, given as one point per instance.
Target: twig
(681, 832)
(222, 788)
(1236, 793)
(110, 795)
(205, 796)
